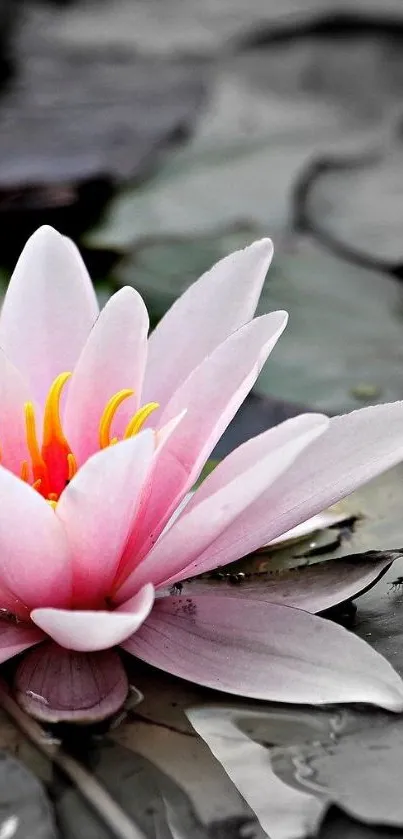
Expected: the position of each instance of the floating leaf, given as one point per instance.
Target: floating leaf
(24, 808)
(354, 203)
(283, 812)
(345, 330)
(73, 114)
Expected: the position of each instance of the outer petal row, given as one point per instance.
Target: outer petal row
(355, 448)
(234, 486)
(264, 651)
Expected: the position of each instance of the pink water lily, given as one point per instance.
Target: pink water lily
(103, 433)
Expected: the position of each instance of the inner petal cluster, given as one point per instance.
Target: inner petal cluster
(53, 464)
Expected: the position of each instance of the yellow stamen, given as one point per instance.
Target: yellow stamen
(24, 471)
(108, 415)
(139, 419)
(72, 465)
(37, 484)
(52, 503)
(39, 469)
(52, 427)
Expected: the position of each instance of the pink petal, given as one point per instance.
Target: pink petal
(34, 554)
(220, 302)
(11, 606)
(112, 359)
(355, 448)
(55, 685)
(89, 631)
(129, 556)
(321, 521)
(264, 651)
(313, 588)
(211, 397)
(235, 484)
(16, 637)
(13, 395)
(48, 311)
(97, 510)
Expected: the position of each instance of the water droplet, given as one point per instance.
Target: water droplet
(37, 697)
(303, 769)
(9, 827)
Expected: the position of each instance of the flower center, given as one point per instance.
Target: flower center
(53, 464)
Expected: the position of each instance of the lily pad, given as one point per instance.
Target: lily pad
(347, 771)
(292, 764)
(355, 204)
(269, 114)
(207, 29)
(343, 346)
(71, 114)
(24, 807)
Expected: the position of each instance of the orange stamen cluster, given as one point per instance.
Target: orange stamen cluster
(53, 463)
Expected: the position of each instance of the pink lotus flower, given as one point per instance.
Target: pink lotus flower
(89, 544)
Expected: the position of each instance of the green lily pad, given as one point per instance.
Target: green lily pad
(355, 203)
(343, 347)
(261, 127)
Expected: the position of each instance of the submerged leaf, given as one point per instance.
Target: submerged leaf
(24, 808)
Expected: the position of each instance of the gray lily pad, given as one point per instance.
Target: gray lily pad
(205, 29)
(355, 204)
(359, 769)
(24, 808)
(334, 756)
(268, 114)
(343, 346)
(71, 114)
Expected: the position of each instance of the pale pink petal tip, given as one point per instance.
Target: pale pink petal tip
(57, 685)
(321, 521)
(88, 631)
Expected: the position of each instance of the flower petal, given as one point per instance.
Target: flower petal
(14, 393)
(97, 510)
(216, 305)
(313, 588)
(17, 637)
(55, 685)
(34, 554)
(212, 395)
(264, 651)
(89, 631)
(319, 522)
(48, 311)
(355, 448)
(234, 485)
(112, 359)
